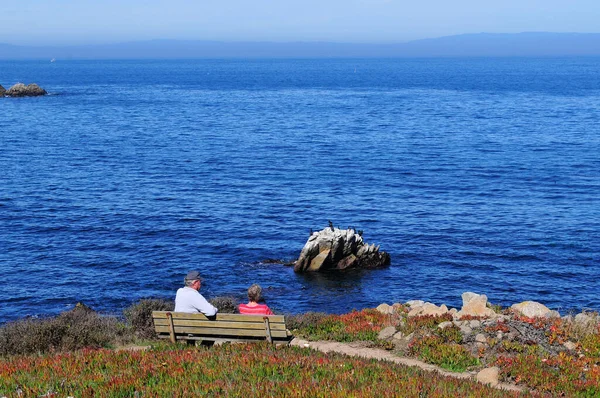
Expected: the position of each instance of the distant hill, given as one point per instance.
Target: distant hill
(533, 44)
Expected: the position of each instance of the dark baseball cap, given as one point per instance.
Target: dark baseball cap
(192, 276)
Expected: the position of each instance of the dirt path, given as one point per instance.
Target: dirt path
(356, 350)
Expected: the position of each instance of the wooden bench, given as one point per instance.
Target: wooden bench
(225, 327)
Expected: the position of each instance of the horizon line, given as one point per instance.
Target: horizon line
(223, 41)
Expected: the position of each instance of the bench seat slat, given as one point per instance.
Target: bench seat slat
(219, 317)
(228, 325)
(228, 338)
(182, 330)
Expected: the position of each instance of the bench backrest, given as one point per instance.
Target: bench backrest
(232, 327)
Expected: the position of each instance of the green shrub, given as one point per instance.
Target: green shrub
(225, 304)
(301, 321)
(139, 316)
(78, 328)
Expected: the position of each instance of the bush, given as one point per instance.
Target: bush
(225, 304)
(302, 321)
(139, 316)
(78, 328)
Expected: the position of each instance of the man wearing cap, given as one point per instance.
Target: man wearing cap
(189, 300)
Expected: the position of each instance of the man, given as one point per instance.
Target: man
(189, 300)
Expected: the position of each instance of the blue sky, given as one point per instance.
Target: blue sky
(63, 22)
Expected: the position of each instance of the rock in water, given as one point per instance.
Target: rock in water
(2, 91)
(334, 248)
(21, 90)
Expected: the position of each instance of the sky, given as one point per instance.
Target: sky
(72, 22)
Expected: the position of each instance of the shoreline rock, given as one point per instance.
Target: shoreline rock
(477, 306)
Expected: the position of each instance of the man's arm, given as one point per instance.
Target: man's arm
(204, 306)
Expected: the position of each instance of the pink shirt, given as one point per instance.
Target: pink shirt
(259, 309)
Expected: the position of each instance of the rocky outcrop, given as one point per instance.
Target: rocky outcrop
(2, 91)
(477, 306)
(334, 248)
(21, 90)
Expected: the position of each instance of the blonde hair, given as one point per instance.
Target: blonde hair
(254, 292)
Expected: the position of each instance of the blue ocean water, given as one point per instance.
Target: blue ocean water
(474, 174)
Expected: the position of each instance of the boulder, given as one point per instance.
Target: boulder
(387, 333)
(415, 311)
(446, 324)
(480, 338)
(415, 303)
(427, 309)
(569, 345)
(489, 376)
(474, 324)
(474, 305)
(532, 309)
(2, 91)
(21, 90)
(333, 248)
(465, 330)
(385, 309)
(584, 319)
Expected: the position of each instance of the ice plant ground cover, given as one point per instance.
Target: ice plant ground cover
(549, 356)
(537, 359)
(572, 373)
(355, 326)
(253, 370)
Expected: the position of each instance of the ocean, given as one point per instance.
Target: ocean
(475, 174)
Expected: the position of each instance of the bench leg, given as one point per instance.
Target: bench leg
(268, 330)
(171, 327)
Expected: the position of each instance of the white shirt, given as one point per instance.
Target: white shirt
(189, 300)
